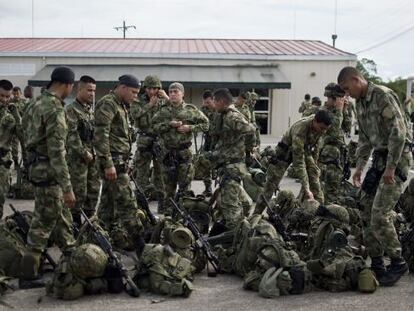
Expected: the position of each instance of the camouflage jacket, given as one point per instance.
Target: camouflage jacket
(45, 134)
(304, 106)
(112, 134)
(80, 129)
(186, 113)
(7, 131)
(347, 121)
(142, 114)
(231, 128)
(383, 124)
(304, 146)
(310, 110)
(245, 110)
(20, 104)
(334, 135)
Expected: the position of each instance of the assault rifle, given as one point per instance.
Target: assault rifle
(129, 286)
(24, 227)
(201, 242)
(143, 202)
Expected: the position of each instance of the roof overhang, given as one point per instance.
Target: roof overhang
(193, 76)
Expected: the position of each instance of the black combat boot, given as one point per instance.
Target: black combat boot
(395, 271)
(378, 267)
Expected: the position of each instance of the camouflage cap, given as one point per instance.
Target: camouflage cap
(88, 261)
(152, 81)
(316, 100)
(176, 85)
(333, 90)
(182, 238)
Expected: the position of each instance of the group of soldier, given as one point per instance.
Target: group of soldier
(78, 157)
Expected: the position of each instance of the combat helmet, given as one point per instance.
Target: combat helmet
(152, 81)
(335, 213)
(333, 90)
(88, 261)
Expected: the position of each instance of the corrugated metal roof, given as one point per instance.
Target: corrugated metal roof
(168, 47)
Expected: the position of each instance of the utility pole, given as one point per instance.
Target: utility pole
(335, 36)
(124, 28)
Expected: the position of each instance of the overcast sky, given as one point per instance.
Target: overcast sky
(361, 24)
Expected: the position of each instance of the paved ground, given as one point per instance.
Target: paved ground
(221, 293)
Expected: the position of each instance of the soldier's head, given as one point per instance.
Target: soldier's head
(333, 92)
(316, 101)
(86, 90)
(208, 99)
(321, 121)
(176, 93)
(352, 82)
(128, 88)
(17, 92)
(28, 92)
(5, 91)
(222, 99)
(242, 97)
(61, 81)
(307, 97)
(152, 85)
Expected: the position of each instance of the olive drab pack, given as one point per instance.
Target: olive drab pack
(164, 271)
(367, 282)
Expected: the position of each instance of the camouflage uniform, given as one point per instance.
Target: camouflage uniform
(112, 143)
(49, 172)
(331, 157)
(229, 156)
(299, 146)
(15, 108)
(177, 160)
(305, 105)
(84, 176)
(383, 126)
(142, 114)
(8, 131)
(309, 111)
(250, 139)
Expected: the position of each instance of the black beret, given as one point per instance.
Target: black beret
(129, 80)
(63, 75)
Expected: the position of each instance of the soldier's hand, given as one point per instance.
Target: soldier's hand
(356, 178)
(110, 173)
(69, 199)
(309, 195)
(339, 103)
(162, 94)
(389, 176)
(88, 157)
(153, 101)
(176, 123)
(184, 128)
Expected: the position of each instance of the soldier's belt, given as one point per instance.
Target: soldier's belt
(142, 133)
(117, 156)
(180, 147)
(44, 184)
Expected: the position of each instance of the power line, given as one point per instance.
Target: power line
(387, 40)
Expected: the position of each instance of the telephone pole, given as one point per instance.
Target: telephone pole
(124, 28)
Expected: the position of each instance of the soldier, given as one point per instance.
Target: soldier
(229, 157)
(331, 157)
(9, 129)
(384, 128)
(142, 112)
(207, 107)
(251, 102)
(112, 143)
(28, 93)
(242, 106)
(313, 108)
(300, 146)
(305, 104)
(46, 134)
(81, 156)
(175, 122)
(16, 106)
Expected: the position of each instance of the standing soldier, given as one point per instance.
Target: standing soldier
(81, 156)
(252, 100)
(300, 146)
(45, 135)
(305, 104)
(242, 106)
(229, 157)
(142, 112)
(175, 123)
(9, 129)
(332, 155)
(383, 128)
(112, 143)
(16, 107)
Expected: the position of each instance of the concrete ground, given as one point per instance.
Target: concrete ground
(223, 292)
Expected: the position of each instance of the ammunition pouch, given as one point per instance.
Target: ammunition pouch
(120, 162)
(85, 130)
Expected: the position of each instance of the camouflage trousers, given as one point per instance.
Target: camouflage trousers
(234, 202)
(180, 175)
(331, 177)
(378, 227)
(50, 219)
(4, 186)
(15, 148)
(85, 181)
(142, 166)
(118, 206)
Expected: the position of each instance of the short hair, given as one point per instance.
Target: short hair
(87, 79)
(17, 89)
(307, 97)
(323, 116)
(243, 94)
(223, 94)
(207, 94)
(346, 73)
(6, 85)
